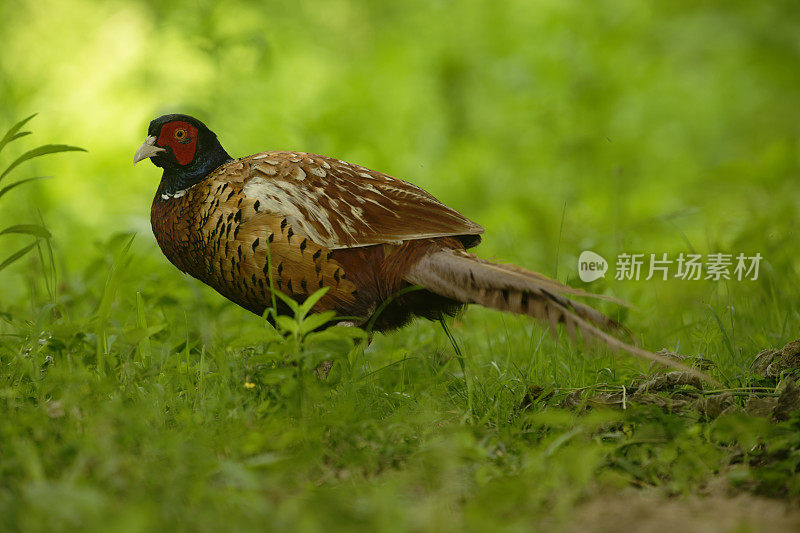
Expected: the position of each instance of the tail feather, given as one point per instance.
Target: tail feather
(467, 278)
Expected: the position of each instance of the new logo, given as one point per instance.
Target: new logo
(591, 266)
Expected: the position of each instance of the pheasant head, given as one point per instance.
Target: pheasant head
(185, 148)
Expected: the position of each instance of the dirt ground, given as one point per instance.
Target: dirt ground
(644, 512)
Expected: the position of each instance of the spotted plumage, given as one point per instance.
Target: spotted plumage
(298, 222)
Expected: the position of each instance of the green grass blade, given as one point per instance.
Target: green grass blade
(47, 260)
(145, 349)
(112, 281)
(28, 229)
(20, 182)
(38, 152)
(389, 300)
(19, 135)
(462, 362)
(106, 300)
(16, 256)
(12, 134)
(725, 336)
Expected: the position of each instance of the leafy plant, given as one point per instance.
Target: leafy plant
(37, 231)
(297, 338)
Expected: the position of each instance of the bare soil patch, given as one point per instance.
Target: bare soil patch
(649, 512)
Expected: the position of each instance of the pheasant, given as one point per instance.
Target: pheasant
(297, 222)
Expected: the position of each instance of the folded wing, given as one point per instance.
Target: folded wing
(341, 205)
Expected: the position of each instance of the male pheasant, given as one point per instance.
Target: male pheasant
(321, 222)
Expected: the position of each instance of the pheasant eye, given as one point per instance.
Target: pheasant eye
(180, 134)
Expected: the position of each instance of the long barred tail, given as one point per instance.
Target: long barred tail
(467, 278)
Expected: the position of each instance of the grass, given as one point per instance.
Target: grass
(135, 399)
(172, 431)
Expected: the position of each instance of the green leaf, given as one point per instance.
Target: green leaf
(311, 300)
(336, 333)
(38, 152)
(287, 324)
(138, 335)
(273, 376)
(20, 182)
(28, 229)
(255, 338)
(12, 134)
(312, 322)
(288, 301)
(15, 256)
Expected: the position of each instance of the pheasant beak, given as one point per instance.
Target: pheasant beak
(147, 149)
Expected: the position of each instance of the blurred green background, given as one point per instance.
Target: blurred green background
(133, 397)
(616, 126)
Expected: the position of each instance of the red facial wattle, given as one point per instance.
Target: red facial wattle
(181, 137)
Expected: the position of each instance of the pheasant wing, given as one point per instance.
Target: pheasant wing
(341, 205)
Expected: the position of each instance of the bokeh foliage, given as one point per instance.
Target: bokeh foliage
(616, 126)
